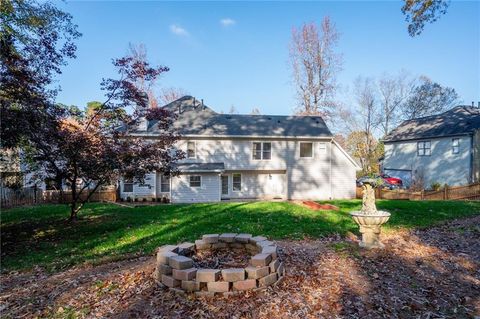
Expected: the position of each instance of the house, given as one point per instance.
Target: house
(230, 156)
(443, 148)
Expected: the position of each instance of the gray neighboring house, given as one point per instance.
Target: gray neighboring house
(444, 148)
(232, 156)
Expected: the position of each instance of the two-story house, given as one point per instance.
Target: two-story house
(443, 148)
(230, 156)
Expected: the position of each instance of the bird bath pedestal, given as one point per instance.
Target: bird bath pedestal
(369, 218)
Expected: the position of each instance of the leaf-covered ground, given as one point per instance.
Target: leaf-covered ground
(429, 273)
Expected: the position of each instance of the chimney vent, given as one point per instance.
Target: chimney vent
(473, 104)
(203, 105)
(478, 104)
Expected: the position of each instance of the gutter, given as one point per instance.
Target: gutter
(260, 137)
(426, 138)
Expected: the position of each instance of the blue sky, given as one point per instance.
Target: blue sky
(236, 53)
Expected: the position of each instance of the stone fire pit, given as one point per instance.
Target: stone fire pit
(249, 263)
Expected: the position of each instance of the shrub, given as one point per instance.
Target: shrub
(436, 186)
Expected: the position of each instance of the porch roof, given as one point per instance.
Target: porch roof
(201, 167)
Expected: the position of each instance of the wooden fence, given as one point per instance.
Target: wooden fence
(32, 196)
(469, 192)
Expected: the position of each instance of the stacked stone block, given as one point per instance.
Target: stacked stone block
(175, 269)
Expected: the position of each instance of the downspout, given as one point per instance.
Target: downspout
(331, 183)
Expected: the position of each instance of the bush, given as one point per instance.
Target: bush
(436, 186)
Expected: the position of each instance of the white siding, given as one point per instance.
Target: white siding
(308, 178)
(441, 166)
(208, 192)
(147, 190)
(343, 175)
(259, 185)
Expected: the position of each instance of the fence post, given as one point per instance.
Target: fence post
(445, 192)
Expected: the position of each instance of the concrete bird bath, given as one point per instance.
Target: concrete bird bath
(369, 218)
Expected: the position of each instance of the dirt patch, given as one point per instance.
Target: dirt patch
(433, 273)
(221, 259)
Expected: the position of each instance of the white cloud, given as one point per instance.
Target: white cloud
(226, 22)
(178, 30)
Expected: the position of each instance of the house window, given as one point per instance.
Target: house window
(262, 150)
(423, 148)
(128, 186)
(237, 182)
(164, 184)
(195, 181)
(455, 145)
(306, 150)
(191, 150)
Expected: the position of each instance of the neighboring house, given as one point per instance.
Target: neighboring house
(443, 148)
(231, 156)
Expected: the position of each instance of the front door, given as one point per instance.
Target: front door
(224, 186)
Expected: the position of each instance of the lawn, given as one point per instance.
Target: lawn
(40, 236)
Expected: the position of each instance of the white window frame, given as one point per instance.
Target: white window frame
(455, 145)
(190, 181)
(300, 150)
(233, 183)
(261, 151)
(194, 150)
(164, 180)
(422, 148)
(127, 182)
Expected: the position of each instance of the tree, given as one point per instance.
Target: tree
(315, 63)
(429, 98)
(94, 149)
(366, 149)
(419, 12)
(36, 40)
(365, 94)
(171, 94)
(393, 91)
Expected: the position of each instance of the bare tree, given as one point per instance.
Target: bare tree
(429, 98)
(139, 54)
(315, 63)
(365, 95)
(171, 94)
(393, 91)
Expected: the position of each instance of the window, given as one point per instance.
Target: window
(455, 145)
(423, 148)
(191, 150)
(262, 151)
(164, 184)
(306, 150)
(195, 181)
(237, 182)
(128, 186)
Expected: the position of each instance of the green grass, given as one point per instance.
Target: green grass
(41, 236)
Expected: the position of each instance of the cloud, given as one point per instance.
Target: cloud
(226, 22)
(178, 30)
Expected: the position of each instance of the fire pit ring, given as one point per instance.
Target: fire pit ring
(177, 269)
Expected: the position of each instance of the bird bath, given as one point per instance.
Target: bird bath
(369, 218)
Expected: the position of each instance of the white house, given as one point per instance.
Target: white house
(233, 156)
(443, 148)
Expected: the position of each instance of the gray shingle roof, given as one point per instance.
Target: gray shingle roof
(460, 120)
(195, 119)
(201, 167)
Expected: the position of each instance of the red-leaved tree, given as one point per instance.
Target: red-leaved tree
(88, 150)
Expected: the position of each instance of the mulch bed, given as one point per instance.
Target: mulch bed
(433, 273)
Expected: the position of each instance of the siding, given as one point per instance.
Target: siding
(208, 192)
(259, 185)
(308, 178)
(147, 190)
(343, 175)
(441, 166)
